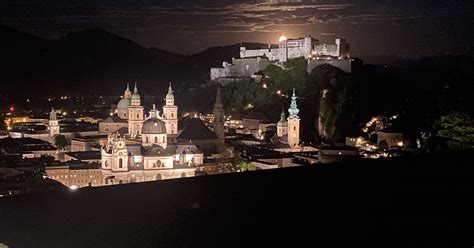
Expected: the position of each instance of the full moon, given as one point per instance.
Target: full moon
(282, 38)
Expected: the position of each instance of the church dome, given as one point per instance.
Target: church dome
(124, 103)
(154, 126)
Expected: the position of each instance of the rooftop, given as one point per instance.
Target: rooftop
(88, 155)
(196, 130)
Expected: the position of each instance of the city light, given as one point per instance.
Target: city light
(282, 38)
(73, 187)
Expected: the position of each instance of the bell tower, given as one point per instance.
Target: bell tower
(53, 123)
(170, 113)
(293, 123)
(135, 114)
(219, 119)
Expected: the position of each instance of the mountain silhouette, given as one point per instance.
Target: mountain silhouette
(98, 62)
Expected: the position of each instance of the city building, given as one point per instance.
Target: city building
(76, 174)
(252, 61)
(149, 150)
(301, 47)
(389, 138)
(27, 147)
(48, 132)
(88, 143)
(239, 68)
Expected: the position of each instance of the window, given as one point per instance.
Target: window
(120, 163)
(294, 128)
(163, 139)
(138, 116)
(171, 115)
(156, 139)
(124, 114)
(146, 139)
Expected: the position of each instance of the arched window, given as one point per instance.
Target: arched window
(106, 163)
(158, 163)
(138, 116)
(124, 114)
(146, 139)
(120, 162)
(171, 115)
(294, 128)
(158, 177)
(156, 139)
(163, 139)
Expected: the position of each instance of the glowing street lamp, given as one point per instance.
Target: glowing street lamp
(282, 38)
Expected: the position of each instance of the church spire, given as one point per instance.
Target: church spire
(170, 97)
(218, 96)
(282, 115)
(219, 120)
(135, 90)
(127, 93)
(293, 110)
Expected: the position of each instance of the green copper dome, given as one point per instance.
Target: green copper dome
(124, 103)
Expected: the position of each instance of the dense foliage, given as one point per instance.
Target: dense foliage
(60, 141)
(457, 130)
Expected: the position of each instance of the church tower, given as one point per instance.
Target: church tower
(282, 125)
(293, 123)
(135, 114)
(170, 113)
(219, 119)
(53, 123)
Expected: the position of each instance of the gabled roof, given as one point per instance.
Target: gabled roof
(114, 119)
(196, 130)
(155, 151)
(87, 155)
(183, 149)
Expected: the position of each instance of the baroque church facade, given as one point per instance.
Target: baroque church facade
(139, 147)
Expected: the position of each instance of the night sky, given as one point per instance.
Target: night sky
(407, 28)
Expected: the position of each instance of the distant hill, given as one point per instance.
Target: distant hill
(98, 62)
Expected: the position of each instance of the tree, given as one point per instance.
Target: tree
(60, 141)
(457, 129)
(245, 166)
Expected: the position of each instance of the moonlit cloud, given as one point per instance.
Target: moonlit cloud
(169, 25)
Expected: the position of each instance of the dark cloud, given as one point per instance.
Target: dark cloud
(204, 23)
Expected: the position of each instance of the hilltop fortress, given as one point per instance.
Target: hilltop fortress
(254, 60)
